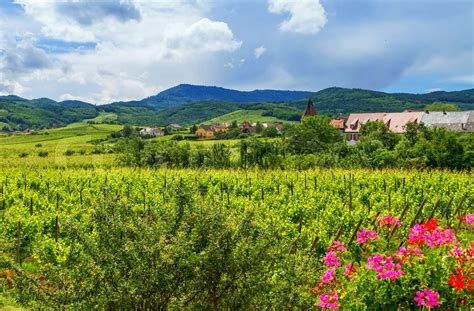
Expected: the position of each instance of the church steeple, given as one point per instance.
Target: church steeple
(309, 110)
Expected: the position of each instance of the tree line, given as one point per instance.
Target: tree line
(312, 143)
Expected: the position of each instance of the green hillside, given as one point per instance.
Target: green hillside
(17, 113)
(336, 100)
(243, 115)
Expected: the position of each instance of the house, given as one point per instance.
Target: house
(152, 131)
(205, 131)
(356, 120)
(459, 121)
(339, 123)
(208, 131)
(173, 127)
(394, 121)
(309, 111)
(246, 127)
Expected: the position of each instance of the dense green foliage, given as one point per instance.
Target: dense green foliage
(438, 106)
(315, 143)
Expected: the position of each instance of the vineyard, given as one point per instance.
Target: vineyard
(124, 238)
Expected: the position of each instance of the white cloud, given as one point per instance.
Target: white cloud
(141, 48)
(306, 16)
(435, 89)
(259, 51)
(204, 35)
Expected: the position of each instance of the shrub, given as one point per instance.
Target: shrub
(69, 152)
(23, 155)
(43, 154)
(38, 145)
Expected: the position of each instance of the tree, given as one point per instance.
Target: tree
(313, 134)
(378, 131)
(234, 125)
(439, 106)
(258, 128)
(193, 129)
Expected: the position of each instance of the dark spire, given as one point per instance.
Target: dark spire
(309, 110)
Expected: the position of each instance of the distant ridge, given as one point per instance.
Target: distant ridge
(190, 104)
(188, 93)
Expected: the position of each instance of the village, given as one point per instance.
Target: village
(350, 126)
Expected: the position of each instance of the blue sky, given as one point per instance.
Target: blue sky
(103, 51)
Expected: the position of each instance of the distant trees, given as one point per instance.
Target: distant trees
(313, 134)
(439, 106)
(313, 143)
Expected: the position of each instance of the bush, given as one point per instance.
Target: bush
(43, 154)
(82, 152)
(38, 145)
(23, 155)
(69, 152)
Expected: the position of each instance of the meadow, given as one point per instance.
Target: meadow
(80, 232)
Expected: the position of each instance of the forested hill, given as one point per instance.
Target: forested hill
(187, 93)
(336, 100)
(17, 113)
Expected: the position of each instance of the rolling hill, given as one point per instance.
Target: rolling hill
(187, 93)
(186, 106)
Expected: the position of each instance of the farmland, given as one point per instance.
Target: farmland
(80, 228)
(153, 238)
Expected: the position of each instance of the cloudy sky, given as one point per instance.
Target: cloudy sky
(108, 50)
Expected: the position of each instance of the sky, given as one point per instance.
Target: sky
(110, 50)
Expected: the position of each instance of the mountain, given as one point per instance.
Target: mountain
(337, 100)
(18, 113)
(188, 104)
(187, 93)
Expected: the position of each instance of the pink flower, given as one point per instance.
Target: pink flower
(420, 235)
(328, 276)
(404, 253)
(331, 259)
(427, 298)
(348, 270)
(469, 219)
(366, 234)
(329, 301)
(385, 267)
(390, 221)
(337, 246)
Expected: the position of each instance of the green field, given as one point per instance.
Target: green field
(23, 148)
(103, 117)
(244, 115)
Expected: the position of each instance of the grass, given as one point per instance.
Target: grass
(244, 115)
(103, 117)
(76, 136)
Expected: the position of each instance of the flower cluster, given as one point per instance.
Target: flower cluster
(469, 219)
(349, 270)
(458, 281)
(404, 253)
(429, 233)
(427, 297)
(329, 301)
(366, 235)
(337, 247)
(385, 267)
(328, 276)
(390, 221)
(331, 259)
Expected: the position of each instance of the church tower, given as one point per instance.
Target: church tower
(309, 110)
